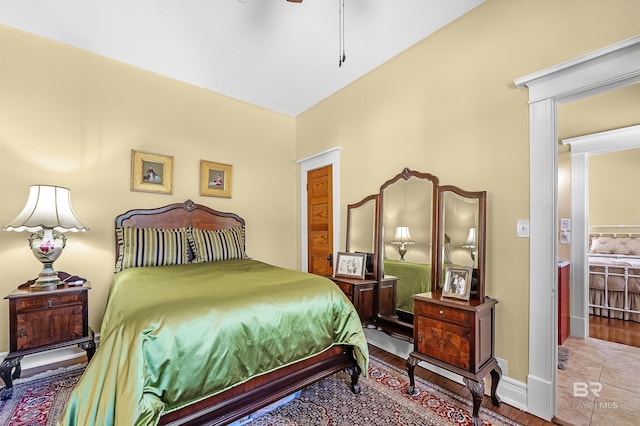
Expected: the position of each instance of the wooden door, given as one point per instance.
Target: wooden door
(320, 221)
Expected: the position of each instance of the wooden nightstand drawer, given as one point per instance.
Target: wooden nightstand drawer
(49, 326)
(442, 313)
(49, 301)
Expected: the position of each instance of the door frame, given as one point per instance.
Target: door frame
(605, 69)
(315, 161)
(583, 147)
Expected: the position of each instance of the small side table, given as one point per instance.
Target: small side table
(41, 320)
(360, 293)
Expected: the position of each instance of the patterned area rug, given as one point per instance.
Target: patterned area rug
(382, 402)
(38, 401)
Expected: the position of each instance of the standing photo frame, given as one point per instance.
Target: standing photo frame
(457, 282)
(151, 172)
(215, 179)
(350, 265)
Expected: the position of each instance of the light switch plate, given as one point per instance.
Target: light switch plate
(522, 228)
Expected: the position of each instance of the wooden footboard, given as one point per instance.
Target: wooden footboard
(261, 391)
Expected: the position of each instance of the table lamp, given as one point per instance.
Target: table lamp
(470, 244)
(402, 237)
(47, 214)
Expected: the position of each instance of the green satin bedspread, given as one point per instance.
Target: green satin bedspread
(173, 335)
(413, 278)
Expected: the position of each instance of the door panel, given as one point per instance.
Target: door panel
(320, 221)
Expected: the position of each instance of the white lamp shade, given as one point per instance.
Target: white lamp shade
(471, 239)
(47, 207)
(402, 235)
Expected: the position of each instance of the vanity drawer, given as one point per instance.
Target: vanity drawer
(27, 304)
(444, 341)
(346, 288)
(442, 312)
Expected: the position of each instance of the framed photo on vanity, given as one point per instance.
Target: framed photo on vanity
(457, 282)
(351, 265)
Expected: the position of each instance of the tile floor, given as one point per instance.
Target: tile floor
(599, 385)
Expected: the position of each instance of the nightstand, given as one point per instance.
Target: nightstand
(41, 320)
(458, 336)
(360, 293)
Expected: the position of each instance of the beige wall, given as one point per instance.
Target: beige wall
(71, 118)
(612, 178)
(448, 106)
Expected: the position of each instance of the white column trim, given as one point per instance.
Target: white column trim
(615, 66)
(321, 159)
(579, 320)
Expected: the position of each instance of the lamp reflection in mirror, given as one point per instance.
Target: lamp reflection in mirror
(470, 244)
(402, 238)
(46, 214)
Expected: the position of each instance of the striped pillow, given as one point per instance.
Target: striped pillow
(151, 247)
(222, 244)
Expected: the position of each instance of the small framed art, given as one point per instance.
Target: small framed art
(215, 179)
(457, 283)
(151, 172)
(350, 265)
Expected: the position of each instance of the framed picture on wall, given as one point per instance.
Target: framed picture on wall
(215, 179)
(151, 172)
(350, 265)
(457, 282)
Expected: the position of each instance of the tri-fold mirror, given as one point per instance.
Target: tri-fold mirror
(414, 229)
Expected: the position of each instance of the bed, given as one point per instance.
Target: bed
(195, 332)
(614, 271)
(413, 278)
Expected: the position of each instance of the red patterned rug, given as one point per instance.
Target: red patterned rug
(382, 402)
(39, 401)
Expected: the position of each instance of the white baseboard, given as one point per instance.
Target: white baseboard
(510, 391)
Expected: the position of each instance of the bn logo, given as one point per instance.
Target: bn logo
(582, 389)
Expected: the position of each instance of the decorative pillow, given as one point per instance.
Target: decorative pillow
(223, 244)
(601, 245)
(151, 247)
(616, 245)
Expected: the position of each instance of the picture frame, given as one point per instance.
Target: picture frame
(457, 283)
(350, 265)
(151, 172)
(215, 179)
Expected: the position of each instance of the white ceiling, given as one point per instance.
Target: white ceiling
(272, 53)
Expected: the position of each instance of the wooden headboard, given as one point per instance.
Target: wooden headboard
(178, 215)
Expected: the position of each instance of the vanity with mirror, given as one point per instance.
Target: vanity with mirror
(425, 246)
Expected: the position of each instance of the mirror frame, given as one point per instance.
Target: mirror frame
(376, 229)
(406, 174)
(481, 236)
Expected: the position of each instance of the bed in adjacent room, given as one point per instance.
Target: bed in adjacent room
(614, 271)
(196, 332)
